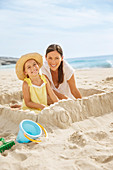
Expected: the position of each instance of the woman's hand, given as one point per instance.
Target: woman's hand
(74, 90)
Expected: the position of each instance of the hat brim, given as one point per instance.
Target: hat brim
(20, 63)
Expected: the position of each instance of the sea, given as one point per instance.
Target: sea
(105, 61)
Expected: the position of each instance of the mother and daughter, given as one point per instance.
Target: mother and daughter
(56, 81)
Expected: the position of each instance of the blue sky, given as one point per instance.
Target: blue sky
(82, 27)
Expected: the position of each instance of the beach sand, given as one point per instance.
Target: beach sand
(79, 131)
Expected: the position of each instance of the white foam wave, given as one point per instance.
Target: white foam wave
(110, 63)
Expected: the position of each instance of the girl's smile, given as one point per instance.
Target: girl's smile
(31, 68)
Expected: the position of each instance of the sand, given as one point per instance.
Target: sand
(79, 131)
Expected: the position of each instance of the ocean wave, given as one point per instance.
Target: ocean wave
(110, 63)
(104, 64)
(94, 63)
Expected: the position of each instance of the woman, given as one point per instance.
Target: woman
(59, 73)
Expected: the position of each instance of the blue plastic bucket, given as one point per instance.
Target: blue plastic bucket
(30, 129)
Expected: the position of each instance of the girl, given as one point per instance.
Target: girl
(60, 74)
(35, 86)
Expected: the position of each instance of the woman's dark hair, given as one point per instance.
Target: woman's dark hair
(55, 47)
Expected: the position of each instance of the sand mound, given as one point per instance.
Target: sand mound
(65, 112)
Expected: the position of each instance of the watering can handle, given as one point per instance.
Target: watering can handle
(46, 135)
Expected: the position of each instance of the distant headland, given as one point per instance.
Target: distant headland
(8, 60)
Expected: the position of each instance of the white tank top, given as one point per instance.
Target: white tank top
(64, 87)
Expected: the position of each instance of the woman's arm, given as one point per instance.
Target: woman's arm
(51, 93)
(74, 90)
(27, 98)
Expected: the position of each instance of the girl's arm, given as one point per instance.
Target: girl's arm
(74, 90)
(51, 93)
(27, 98)
(59, 95)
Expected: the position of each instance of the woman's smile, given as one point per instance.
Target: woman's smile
(54, 60)
(53, 65)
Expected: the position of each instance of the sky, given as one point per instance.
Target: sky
(81, 27)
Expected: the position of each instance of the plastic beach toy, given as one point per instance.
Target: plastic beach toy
(6, 145)
(29, 131)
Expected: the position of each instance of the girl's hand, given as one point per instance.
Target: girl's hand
(51, 93)
(42, 106)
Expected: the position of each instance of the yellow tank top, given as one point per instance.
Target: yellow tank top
(38, 94)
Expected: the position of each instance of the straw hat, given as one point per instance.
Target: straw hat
(20, 63)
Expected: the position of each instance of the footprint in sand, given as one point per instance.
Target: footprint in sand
(109, 78)
(19, 156)
(78, 138)
(97, 136)
(111, 125)
(102, 158)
